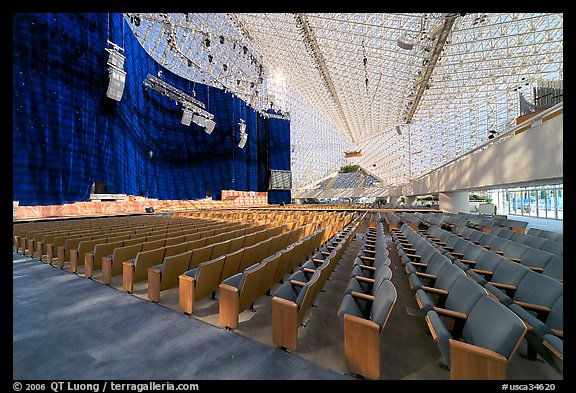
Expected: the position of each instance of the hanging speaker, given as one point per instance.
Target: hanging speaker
(186, 117)
(116, 84)
(243, 140)
(199, 120)
(209, 126)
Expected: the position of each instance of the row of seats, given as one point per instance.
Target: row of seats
(237, 277)
(112, 263)
(524, 291)
(552, 235)
(292, 300)
(368, 302)
(476, 335)
(477, 221)
(26, 239)
(75, 248)
(238, 292)
(165, 275)
(541, 243)
(470, 249)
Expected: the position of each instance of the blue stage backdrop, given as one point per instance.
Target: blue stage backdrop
(67, 134)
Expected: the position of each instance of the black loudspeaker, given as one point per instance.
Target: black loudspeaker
(100, 188)
(149, 210)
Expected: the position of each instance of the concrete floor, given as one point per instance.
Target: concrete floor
(62, 320)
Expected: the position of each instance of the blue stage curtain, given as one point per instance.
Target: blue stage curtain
(67, 134)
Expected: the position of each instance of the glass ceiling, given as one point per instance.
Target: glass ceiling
(410, 91)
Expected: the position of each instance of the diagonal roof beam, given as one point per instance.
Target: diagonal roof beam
(312, 44)
(422, 82)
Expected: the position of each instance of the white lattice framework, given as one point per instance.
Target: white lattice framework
(347, 84)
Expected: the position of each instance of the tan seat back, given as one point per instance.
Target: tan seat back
(102, 250)
(146, 259)
(208, 277)
(172, 267)
(249, 288)
(123, 254)
(262, 250)
(231, 264)
(219, 249)
(156, 236)
(175, 240)
(152, 245)
(282, 267)
(194, 244)
(268, 274)
(176, 249)
(200, 255)
(193, 236)
(249, 257)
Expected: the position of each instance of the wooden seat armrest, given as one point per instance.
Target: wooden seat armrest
(318, 260)
(558, 354)
(532, 306)
(468, 261)
(456, 254)
(503, 286)
(419, 264)
(450, 249)
(308, 270)
(297, 283)
(362, 295)
(435, 290)
(367, 258)
(365, 279)
(485, 246)
(515, 259)
(557, 333)
(426, 275)
(475, 350)
(413, 255)
(480, 271)
(372, 268)
(409, 249)
(451, 313)
(536, 269)
(324, 252)
(499, 252)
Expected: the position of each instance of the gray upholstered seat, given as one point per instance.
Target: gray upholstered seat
(377, 310)
(444, 279)
(555, 268)
(555, 247)
(362, 284)
(462, 296)
(489, 325)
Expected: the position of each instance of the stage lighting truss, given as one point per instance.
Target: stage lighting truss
(193, 110)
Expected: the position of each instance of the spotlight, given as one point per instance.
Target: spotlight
(243, 140)
(209, 126)
(224, 67)
(245, 49)
(186, 117)
(210, 58)
(207, 43)
(221, 39)
(398, 130)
